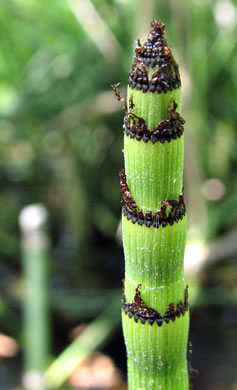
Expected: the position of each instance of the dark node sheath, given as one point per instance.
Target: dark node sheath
(166, 130)
(161, 217)
(140, 311)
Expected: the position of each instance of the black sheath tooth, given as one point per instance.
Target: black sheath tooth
(140, 311)
(166, 130)
(131, 211)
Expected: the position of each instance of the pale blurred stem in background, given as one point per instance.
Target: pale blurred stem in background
(35, 256)
(91, 21)
(143, 14)
(91, 338)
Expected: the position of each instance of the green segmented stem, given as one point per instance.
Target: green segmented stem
(154, 256)
(154, 110)
(153, 259)
(153, 176)
(156, 356)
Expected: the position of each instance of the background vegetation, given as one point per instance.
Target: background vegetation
(61, 143)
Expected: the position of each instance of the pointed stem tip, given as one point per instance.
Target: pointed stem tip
(154, 54)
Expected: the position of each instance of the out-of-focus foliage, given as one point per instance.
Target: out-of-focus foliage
(61, 136)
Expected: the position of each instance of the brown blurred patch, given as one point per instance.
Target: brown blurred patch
(8, 346)
(97, 372)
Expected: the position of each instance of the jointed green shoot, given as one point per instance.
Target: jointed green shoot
(155, 305)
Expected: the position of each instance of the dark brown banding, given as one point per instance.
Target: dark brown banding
(176, 212)
(140, 311)
(154, 53)
(122, 98)
(168, 129)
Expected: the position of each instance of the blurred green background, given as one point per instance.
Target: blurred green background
(61, 145)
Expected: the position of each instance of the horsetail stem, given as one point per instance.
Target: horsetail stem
(35, 255)
(155, 304)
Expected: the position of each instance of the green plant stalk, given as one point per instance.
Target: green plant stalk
(154, 256)
(36, 310)
(35, 256)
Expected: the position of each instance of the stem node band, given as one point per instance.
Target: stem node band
(140, 311)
